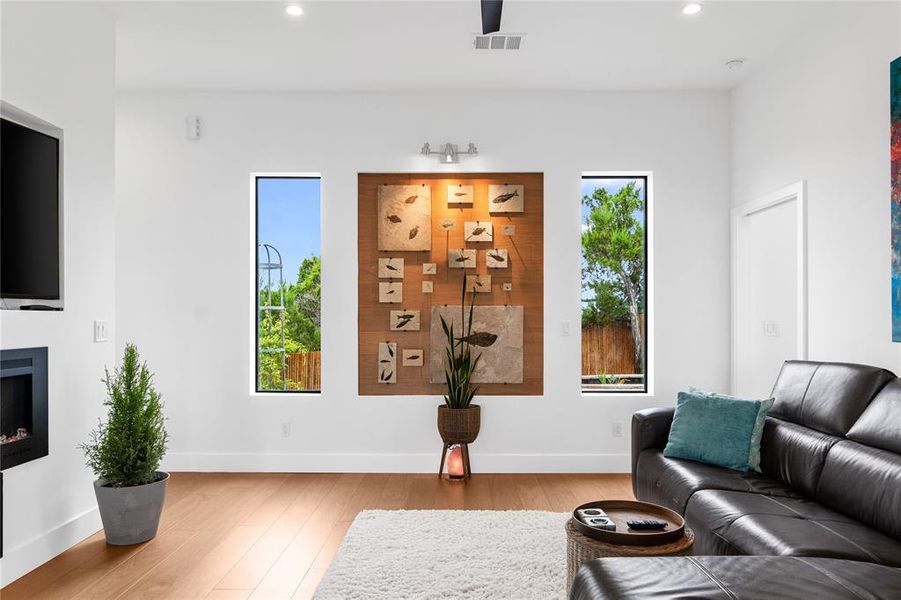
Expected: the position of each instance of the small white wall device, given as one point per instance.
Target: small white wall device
(192, 127)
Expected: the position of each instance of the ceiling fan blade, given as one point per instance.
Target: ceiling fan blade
(491, 16)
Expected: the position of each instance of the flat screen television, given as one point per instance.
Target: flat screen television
(30, 212)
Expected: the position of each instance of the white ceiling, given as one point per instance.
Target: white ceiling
(425, 46)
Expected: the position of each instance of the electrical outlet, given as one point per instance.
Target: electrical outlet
(101, 331)
(286, 430)
(617, 429)
(192, 127)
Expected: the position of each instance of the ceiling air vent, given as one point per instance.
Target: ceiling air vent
(498, 41)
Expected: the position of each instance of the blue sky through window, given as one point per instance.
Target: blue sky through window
(288, 218)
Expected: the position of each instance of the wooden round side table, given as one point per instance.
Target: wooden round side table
(580, 548)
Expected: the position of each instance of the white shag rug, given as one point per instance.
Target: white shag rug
(450, 554)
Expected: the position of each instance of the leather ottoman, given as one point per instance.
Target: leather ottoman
(735, 578)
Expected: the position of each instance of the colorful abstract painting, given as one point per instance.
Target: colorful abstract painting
(896, 198)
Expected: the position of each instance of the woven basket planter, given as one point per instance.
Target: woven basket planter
(459, 425)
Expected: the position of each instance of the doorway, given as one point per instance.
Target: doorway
(769, 288)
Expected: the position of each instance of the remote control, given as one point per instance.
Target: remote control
(646, 524)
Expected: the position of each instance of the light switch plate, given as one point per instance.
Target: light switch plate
(771, 329)
(101, 331)
(565, 327)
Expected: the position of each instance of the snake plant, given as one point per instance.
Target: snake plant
(460, 365)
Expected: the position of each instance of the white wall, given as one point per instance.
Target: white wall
(58, 64)
(820, 113)
(183, 264)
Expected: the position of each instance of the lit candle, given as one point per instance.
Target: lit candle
(455, 463)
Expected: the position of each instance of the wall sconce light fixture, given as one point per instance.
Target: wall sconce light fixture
(449, 152)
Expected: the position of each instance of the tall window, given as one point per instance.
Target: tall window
(288, 289)
(614, 284)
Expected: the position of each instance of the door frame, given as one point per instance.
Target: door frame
(796, 192)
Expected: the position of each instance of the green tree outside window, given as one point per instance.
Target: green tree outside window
(613, 274)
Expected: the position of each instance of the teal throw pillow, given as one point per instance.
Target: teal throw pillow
(718, 429)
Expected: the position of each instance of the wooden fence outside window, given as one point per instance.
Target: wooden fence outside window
(608, 349)
(304, 370)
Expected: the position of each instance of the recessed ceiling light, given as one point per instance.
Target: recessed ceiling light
(294, 10)
(692, 8)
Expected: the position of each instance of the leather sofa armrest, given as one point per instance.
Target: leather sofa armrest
(650, 429)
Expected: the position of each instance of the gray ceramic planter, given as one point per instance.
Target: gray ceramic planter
(131, 515)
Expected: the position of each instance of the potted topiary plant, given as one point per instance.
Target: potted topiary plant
(459, 419)
(125, 453)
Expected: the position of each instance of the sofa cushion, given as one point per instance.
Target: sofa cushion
(736, 577)
(865, 484)
(672, 481)
(794, 454)
(880, 424)
(719, 430)
(739, 522)
(828, 397)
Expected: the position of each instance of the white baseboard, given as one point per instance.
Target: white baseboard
(31, 554)
(391, 463)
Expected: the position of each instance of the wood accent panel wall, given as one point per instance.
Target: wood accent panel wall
(525, 271)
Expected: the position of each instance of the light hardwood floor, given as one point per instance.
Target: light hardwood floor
(231, 535)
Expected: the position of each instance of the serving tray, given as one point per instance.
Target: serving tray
(621, 511)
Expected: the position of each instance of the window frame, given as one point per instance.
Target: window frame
(648, 177)
(255, 177)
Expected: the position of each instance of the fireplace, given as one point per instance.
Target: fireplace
(23, 406)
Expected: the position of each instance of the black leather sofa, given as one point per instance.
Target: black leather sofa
(825, 508)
